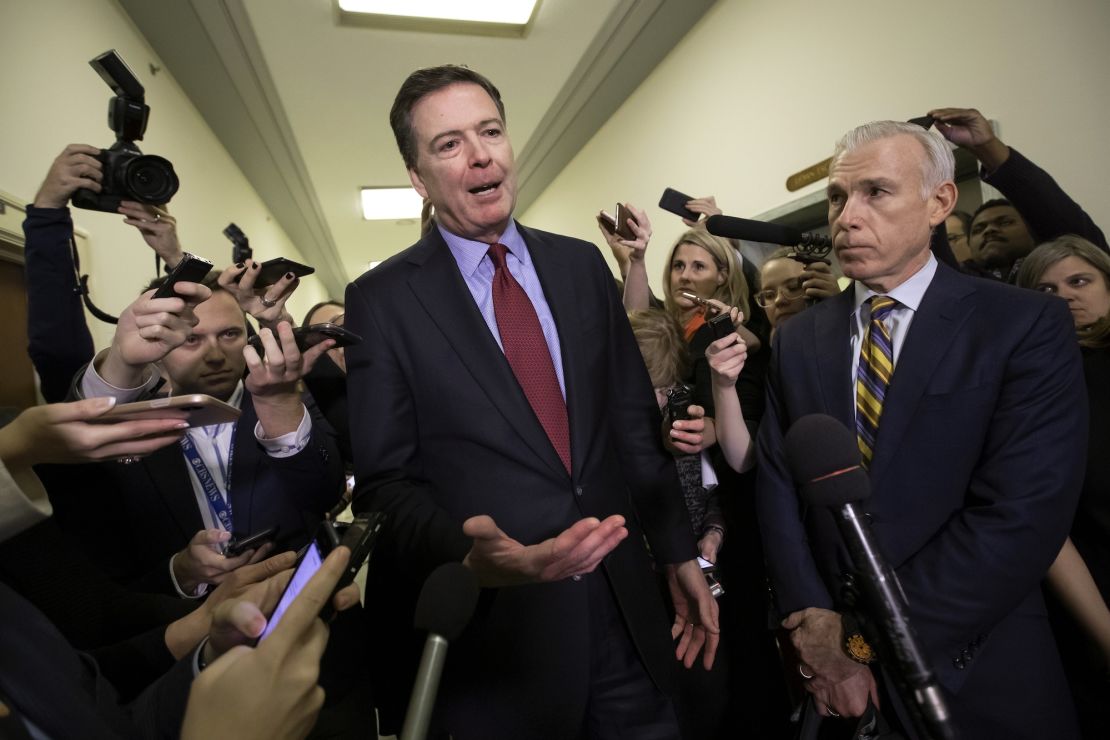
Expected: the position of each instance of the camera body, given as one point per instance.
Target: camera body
(127, 173)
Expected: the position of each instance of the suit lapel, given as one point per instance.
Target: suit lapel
(244, 461)
(169, 476)
(834, 357)
(440, 289)
(935, 325)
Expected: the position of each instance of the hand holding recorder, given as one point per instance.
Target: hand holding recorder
(262, 288)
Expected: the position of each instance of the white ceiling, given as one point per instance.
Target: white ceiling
(300, 96)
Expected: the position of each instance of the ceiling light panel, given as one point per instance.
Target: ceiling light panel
(390, 204)
(509, 12)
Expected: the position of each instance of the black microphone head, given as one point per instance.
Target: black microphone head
(824, 460)
(447, 601)
(731, 227)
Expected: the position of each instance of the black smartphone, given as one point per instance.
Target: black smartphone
(270, 271)
(191, 269)
(675, 202)
(239, 545)
(679, 399)
(624, 231)
(721, 325)
(310, 336)
(312, 557)
(359, 537)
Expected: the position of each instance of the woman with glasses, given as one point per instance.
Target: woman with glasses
(790, 285)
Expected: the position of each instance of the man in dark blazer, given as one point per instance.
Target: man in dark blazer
(446, 441)
(976, 464)
(284, 470)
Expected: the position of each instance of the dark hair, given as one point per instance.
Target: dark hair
(317, 307)
(423, 82)
(964, 218)
(995, 203)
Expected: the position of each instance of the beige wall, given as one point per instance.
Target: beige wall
(51, 97)
(760, 89)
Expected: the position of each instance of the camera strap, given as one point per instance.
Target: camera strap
(82, 287)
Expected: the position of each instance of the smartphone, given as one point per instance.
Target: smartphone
(239, 545)
(360, 536)
(191, 269)
(273, 270)
(607, 222)
(624, 231)
(709, 570)
(679, 400)
(693, 297)
(198, 409)
(721, 325)
(310, 336)
(675, 202)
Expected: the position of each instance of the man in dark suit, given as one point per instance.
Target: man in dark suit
(975, 466)
(502, 416)
(274, 467)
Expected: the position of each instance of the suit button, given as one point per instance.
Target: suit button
(578, 490)
(576, 578)
(868, 518)
(958, 662)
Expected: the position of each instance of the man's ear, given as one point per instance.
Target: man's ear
(942, 202)
(417, 183)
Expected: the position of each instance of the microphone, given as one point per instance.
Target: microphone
(731, 227)
(824, 461)
(443, 610)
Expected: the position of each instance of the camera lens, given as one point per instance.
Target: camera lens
(150, 179)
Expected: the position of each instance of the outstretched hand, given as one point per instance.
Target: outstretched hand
(696, 626)
(265, 304)
(63, 433)
(705, 207)
(158, 228)
(499, 560)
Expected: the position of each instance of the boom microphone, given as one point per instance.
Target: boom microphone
(824, 461)
(444, 608)
(731, 227)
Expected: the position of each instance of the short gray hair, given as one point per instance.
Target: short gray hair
(939, 165)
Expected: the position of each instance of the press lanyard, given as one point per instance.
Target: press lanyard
(217, 502)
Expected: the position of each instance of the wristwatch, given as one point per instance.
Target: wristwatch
(856, 647)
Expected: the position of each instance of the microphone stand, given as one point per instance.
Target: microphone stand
(889, 627)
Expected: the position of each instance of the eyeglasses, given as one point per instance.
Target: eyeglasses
(791, 290)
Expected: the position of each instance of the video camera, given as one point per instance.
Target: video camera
(128, 173)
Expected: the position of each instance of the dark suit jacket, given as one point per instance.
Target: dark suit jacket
(130, 519)
(59, 341)
(974, 482)
(441, 431)
(61, 691)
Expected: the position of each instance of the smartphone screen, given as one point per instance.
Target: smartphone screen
(307, 568)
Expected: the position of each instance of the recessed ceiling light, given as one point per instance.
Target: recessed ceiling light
(390, 204)
(514, 12)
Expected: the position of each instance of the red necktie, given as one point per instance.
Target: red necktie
(528, 354)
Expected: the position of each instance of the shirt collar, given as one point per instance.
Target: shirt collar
(469, 254)
(908, 294)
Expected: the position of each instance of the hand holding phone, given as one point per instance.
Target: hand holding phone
(270, 690)
(191, 269)
(675, 202)
(360, 537)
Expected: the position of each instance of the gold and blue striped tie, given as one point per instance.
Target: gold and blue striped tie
(876, 365)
